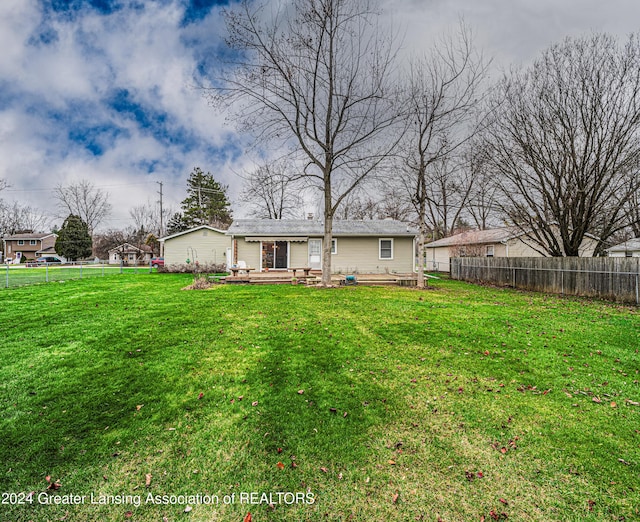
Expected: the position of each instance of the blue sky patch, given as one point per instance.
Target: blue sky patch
(196, 10)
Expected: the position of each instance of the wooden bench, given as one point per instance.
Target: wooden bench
(235, 270)
(305, 269)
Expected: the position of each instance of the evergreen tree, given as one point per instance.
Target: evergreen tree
(74, 241)
(176, 224)
(206, 202)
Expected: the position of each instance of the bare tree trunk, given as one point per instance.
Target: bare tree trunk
(318, 77)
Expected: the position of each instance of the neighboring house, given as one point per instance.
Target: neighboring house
(204, 244)
(28, 246)
(630, 248)
(497, 242)
(357, 246)
(130, 254)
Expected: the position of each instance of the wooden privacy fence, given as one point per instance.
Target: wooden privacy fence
(612, 278)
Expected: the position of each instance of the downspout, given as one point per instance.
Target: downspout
(505, 242)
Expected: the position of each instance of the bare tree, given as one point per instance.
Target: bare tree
(316, 76)
(633, 214)
(377, 202)
(483, 199)
(566, 142)
(83, 199)
(443, 95)
(448, 192)
(16, 218)
(274, 191)
(147, 217)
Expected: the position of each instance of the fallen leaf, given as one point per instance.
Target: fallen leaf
(139, 406)
(597, 400)
(279, 450)
(254, 403)
(633, 403)
(247, 518)
(324, 470)
(395, 498)
(128, 514)
(392, 462)
(503, 501)
(591, 503)
(200, 395)
(54, 486)
(187, 509)
(614, 405)
(48, 478)
(333, 410)
(345, 414)
(480, 474)
(300, 392)
(147, 480)
(294, 465)
(280, 465)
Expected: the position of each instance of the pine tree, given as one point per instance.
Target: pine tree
(206, 202)
(74, 241)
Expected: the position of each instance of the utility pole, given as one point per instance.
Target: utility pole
(161, 218)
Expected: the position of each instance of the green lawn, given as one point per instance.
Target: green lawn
(455, 403)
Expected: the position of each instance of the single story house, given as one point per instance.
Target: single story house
(630, 248)
(269, 244)
(28, 246)
(497, 242)
(130, 254)
(203, 244)
(385, 246)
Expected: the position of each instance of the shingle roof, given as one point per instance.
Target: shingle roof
(476, 237)
(27, 236)
(628, 246)
(307, 227)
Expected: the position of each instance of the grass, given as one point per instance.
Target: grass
(456, 403)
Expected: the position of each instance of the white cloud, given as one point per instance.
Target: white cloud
(64, 85)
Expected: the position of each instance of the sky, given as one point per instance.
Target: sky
(107, 90)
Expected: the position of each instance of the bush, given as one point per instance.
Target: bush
(194, 268)
(200, 282)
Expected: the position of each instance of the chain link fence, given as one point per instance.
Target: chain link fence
(29, 273)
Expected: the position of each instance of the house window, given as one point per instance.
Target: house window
(628, 253)
(33, 242)
(132, 257)
(334, 246)
(489, 250)
(20, 242)
(386, 249)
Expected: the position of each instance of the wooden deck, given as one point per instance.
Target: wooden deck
(279, 277)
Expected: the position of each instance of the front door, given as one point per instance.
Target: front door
(315, 254)
(275, 255)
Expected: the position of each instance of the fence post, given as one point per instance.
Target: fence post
(637, 296)
(80, 269)
(562, 282)
(514, 277)
(46, 272)
(7, 284)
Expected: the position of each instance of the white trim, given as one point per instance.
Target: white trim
(334, 243)
(380, 240)
(223, 232)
